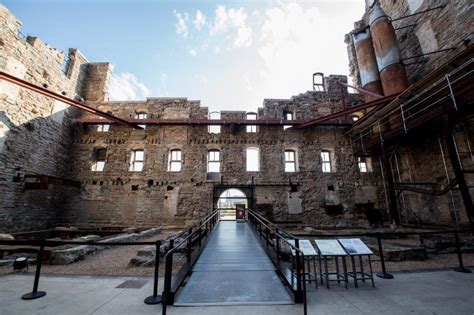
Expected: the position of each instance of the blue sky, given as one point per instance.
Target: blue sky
(228, 54)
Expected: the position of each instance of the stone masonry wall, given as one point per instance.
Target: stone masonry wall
(35, 131)
(155, 195)
(421, 160)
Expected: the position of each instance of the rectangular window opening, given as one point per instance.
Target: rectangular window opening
(137, 160)
(141, 116)
(362, 163)
(253, 160)
(175, 161)
(290, 161)
(99, 160)
(213, 161)
(287, 116)
(251, 128)
(326, 161)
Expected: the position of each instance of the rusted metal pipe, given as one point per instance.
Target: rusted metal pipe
(387, 52)
(366, 60)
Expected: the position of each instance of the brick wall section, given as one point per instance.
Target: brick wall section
(36, 132)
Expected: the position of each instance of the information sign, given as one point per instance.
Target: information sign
(355, 246)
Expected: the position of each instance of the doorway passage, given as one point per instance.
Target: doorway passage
(228, 200)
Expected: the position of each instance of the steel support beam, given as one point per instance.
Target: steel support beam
(317, 121)
(448, 125)
(392, 195)
(61, 98)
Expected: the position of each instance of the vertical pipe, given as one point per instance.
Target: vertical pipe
(367, 63)
(387, 52)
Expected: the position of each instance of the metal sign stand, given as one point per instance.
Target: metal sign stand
(356, 248)
(332, 249)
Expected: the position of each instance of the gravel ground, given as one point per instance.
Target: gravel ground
(115, 262)
(109, 262)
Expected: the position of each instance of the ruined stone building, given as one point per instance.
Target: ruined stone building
(326, 157)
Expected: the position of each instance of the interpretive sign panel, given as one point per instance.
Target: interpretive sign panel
(330, 248)
(305, 246)
(355, 246)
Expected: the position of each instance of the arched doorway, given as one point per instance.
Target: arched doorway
(227, 201)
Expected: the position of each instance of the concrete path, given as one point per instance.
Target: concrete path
(233, 269)
(440, 292)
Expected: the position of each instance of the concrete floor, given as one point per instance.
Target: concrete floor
(440, 292)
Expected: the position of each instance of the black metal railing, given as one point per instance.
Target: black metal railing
(192, 246)
(42, 243)
(272, 236)
(390, 235)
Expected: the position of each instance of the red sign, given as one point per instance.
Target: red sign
(240, 212)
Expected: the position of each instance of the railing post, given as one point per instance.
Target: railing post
(267, 235)
(277, 240)
(189, 248)
(298, 272)
(155, 298)
(166, 295)
(35, 294)
(461, 267)
(200, 234)
(384, 274)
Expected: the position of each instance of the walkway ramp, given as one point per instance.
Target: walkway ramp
(233, 269)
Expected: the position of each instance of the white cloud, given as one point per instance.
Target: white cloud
(193, 52)
(164, 87)
(295, 41)
(199, 20)
(201, 78)
(125, 87)
(234, 20)
(216, 50)
(181, 24)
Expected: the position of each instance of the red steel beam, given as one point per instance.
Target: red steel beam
(47, 93)
(379, 102)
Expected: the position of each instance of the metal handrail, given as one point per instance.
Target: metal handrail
(208, 223)
(299, 257)
(414, 101)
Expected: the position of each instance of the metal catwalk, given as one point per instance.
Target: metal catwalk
(233, 269)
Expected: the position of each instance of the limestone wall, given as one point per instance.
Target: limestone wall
(155, 195)
(35, 131)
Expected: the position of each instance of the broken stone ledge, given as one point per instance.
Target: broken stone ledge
(146, 255)
(65, 256)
